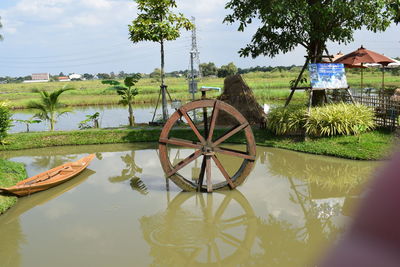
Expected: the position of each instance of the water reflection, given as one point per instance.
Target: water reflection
(325, 173)
(138, 185)
(290, 207)
(202, 229)
(48, 162)
(10, 226)
(130, 170)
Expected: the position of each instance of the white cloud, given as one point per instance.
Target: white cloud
(44, 9)
(100, 4)
(87, 20)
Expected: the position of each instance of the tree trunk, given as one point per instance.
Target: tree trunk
(51, 122)
(131, 118)
(163, 87)
(316, 50)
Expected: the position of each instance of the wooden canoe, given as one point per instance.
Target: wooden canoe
(50, 178)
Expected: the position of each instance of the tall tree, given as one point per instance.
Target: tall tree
(227, 70)
(49, 107)
(287, 24)
(208, 69)
(157, 23)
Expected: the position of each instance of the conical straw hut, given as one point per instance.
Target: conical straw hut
(238, 94)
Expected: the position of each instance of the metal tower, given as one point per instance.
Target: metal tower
(194, 73)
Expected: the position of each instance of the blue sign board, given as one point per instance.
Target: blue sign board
(327, 76)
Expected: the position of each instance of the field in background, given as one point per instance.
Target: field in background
(267, 86)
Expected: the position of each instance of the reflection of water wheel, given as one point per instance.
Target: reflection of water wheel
(199, 230)
(207, 146)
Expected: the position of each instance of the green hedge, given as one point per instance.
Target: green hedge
(5, 120)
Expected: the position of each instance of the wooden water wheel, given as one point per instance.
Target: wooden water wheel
(207, 146)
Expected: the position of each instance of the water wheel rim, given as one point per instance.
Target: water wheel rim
(249, 156)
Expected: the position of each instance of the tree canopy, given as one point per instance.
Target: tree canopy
(227, 70)
(208, 69)
(287, 24)
(156, 22)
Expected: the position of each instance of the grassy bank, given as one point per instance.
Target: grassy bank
(372, 146)
(10, 174)
(266, 86)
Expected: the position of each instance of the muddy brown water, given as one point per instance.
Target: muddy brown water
(122, 212)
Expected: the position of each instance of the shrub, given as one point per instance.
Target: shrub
(5, 120)
(281, 120)
(329, 120)
(340, 119)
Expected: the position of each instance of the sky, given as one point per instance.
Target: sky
(91, 36)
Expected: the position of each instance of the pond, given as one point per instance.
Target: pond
(110, 116)
(121, 211)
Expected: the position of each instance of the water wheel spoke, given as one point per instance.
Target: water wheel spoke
(236, 221)
(216, 251)
(208, 174)
(191, 124)
(229, 239)
(214, 117)
(193, 256)
(180, 142)
(222, 208)
(233, 225)
(202, 204)
(223, 171)
(231, 132)
(235, 153)
(208, 253)
(184, 162)
(201, 176)
(210, 206)
(233, 219)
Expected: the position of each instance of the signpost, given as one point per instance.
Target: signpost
(324, 76)
(327, 76)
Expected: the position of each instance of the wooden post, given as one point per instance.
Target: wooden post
(351, 96)
(297, 82)
(310, 101)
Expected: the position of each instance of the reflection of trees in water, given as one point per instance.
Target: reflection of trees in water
(138, 185)
(130, 170)
(216, 229)
(49, 162)
(326, 172)
(11, 239)
(286, 244)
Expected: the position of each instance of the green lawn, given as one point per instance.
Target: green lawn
(10, 174)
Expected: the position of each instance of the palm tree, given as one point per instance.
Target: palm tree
(126, 92)
(49, 107)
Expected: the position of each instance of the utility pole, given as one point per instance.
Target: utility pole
(194, 73)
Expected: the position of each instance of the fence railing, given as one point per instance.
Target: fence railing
(386, 108)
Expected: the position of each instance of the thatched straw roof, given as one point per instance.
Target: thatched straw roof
(238, 94)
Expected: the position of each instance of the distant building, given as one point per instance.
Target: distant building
(39, 78)
(75, 76)
(63, 79)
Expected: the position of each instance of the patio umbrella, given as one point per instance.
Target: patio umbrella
(361, 56)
